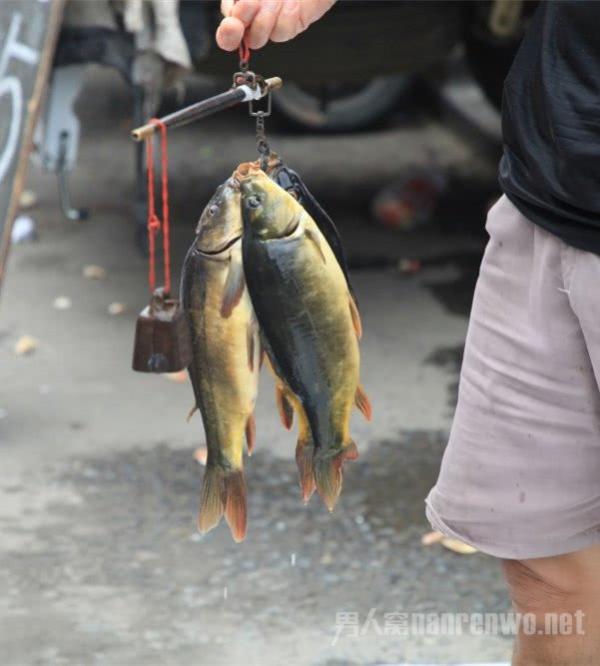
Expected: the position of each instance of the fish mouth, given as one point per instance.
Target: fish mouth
(245, 170)
(226, 246)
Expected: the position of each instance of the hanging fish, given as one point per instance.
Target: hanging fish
(291, 182)
(225, 366)
(310, 326)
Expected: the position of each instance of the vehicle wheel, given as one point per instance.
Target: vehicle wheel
(340, 107)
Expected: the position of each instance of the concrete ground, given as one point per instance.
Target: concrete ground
(100, 561)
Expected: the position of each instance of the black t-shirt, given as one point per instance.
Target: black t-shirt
(550, 169)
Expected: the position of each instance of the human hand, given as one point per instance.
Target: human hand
(262, 20)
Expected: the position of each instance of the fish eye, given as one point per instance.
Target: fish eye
(253, 201)
(213, 210)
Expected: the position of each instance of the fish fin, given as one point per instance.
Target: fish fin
(355, 314)
(250, 434)
(191, 413)
(314, 237)
(361, 400)
(304, 461)
(304, 456)
(261, 357)
(350, 451)
(212, 500)
(286, 411)
(234, 286)
(235, 505)
(251, 344)
(329, 475)
(223, 493)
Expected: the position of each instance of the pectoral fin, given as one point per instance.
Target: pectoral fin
(355, 317)
(234, 285)
(250, 433)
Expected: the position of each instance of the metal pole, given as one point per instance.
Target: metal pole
(205, 108)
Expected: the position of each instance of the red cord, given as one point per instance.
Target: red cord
(154, 223)
(244, 52)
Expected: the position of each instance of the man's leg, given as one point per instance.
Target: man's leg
(520, 475)
(558, 585)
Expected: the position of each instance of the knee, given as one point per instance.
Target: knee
(534, 589)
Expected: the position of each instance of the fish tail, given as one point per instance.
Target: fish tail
(304, 455)
(223, 493)
(235, 504)
(329, 475)
(304, 460)
(212, 500)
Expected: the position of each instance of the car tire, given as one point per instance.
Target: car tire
(348, 108)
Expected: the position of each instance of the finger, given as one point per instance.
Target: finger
(226, 7)
(245, 11)
(312, 10)
(288, 21)
(230, 33)
(263, 24)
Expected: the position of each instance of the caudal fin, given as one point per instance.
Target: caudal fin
(304, 460)
(304, 455)
(223, 493)
(235, 505)
(329, 476)
(212, 500)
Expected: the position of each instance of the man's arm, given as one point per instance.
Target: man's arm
(261, 21)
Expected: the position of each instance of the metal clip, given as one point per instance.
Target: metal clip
(264, 113)
(248, 78)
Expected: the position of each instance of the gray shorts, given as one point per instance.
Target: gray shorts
(520, 477)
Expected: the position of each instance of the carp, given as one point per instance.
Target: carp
(226, 348)
(310, 328)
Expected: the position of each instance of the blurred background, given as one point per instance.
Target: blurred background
(389, 111)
